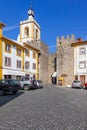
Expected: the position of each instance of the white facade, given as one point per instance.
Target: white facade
(31, 60)
(13, 70)
(80, 61)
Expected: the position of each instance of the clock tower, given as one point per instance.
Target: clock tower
(29, 29)
(30, 14)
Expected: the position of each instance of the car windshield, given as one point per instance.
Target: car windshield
(9, 81)
(15, 81)
(25, 79)
(76, 81)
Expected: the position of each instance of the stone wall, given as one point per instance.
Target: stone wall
(43, 60)
(65, 60)
(51, 66)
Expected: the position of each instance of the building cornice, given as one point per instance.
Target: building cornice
(28, 21)
(12, 41)
(79, 43)
(2, 24)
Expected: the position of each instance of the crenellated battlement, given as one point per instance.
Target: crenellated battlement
(66, 39)
(65, 58)
(39, 45)
(43, 47)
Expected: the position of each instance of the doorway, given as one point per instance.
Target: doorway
(82, 78)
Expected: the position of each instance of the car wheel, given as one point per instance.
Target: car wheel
(81, 87)
(26, 87)
(14, 92)
(85, 87)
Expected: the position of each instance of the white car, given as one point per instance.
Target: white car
(77, 84)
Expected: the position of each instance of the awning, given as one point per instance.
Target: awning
(54, 74)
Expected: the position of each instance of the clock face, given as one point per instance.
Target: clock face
(29, 11)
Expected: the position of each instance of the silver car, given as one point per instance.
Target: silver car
(26, 83)
(38, 84)
(77, 84)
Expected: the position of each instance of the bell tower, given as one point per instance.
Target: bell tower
(29, 29)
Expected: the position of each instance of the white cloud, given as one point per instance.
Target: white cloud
(10, 28)
(52, 46)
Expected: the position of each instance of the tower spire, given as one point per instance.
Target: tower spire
(30, 11)
(31, 4)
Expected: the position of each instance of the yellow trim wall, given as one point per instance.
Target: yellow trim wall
(1, 52)
(9, 47)
(37, 67)
(36, 53)
(22, 48)
(0, 31)
(1, 61)
(22, 59)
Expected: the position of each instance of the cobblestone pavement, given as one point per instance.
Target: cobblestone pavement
(50, 108)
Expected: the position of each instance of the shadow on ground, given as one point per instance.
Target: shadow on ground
(8, 97)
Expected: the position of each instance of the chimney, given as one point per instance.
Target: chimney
(79, 39)
(1, 28)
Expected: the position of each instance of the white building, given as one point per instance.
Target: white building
(80, 60)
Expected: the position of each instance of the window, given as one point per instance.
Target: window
(36, 34)
(82, 51)
(27, 64)
(18, 64)
(27, 52)
(82, 65)
(8, 61)
(18, 52)
(8, 48)
(34, 66)
(34, 55)
(26, 32)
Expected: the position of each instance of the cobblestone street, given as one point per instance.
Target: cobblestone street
(50, 108)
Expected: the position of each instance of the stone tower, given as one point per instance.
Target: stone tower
(65, 60)
(51, 66)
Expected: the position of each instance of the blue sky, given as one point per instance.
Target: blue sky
(56, 18)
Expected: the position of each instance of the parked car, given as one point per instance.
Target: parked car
(38, 84)
(8, 85)
(77, 84)
(85, 85)
(26, 83)
(15, 81)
